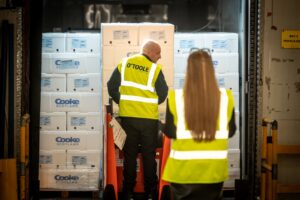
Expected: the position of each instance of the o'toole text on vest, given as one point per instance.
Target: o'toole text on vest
(138, 67)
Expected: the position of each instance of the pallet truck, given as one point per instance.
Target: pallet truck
(113, 173)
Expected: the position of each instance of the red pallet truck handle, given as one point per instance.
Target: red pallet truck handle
(166, 150)
(111, 169)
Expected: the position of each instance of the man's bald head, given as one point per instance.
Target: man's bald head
(152, 50)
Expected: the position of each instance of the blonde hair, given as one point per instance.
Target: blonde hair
(201, 96)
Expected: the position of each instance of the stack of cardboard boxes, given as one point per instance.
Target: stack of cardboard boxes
(71, 133)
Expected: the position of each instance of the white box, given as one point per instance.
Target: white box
(225, 62)
(53, 82)
(55, 121)
(53, 159)
(69, 179)
(179, 81)
(233, 158)
(84, 121)
(70, 102)
(221, 42)
(45, 102)
(234, 142)
(237, 120)
(180, 63)
(163, 33)
(185, 42)
(53, 42)
(62, 63)
(76, 140)
(83, 159)
(119, 34)
(84, 82)
(83, 42)
(233, 174)
(229, 81)
(236, 97)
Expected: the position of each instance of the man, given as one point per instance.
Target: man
(138, 86)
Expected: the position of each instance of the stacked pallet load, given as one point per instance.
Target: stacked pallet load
(71, 132)
(120, 40)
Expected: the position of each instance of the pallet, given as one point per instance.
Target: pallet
(45, 194)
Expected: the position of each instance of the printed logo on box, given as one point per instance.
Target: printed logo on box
(66, 179)
(67, 102)
(70, 141)
(67, 64)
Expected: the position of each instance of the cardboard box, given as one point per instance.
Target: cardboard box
(53, 159)
(70, 102)
(119, 34)
(185, 42)
(221, 42)
(163, 33)
(229, 81)
(53, 42)
(66, 63)
(89, 159)
(83, 42)
(55, 121)
(53, 82)
(71, 140)
(84, 82)
(90, 121)
(68, 179)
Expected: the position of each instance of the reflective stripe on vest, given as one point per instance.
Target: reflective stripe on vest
(138, 98)
(196, 155)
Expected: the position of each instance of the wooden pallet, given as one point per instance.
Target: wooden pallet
(69, 194)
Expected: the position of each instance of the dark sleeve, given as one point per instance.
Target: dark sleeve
(113, 85)
(161, 88)
(170, 128)
(232, 125)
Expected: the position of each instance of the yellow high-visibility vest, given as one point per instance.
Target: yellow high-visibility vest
(198, 162)
(138, 97)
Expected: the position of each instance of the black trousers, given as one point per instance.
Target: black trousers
(196, 191)
(141, 134)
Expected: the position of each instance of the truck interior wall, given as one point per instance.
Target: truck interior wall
(281, 79)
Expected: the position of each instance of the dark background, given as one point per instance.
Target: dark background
(186, 15)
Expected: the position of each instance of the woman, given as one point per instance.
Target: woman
(199, 119)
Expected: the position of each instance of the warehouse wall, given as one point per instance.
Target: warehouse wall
(281, 81)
